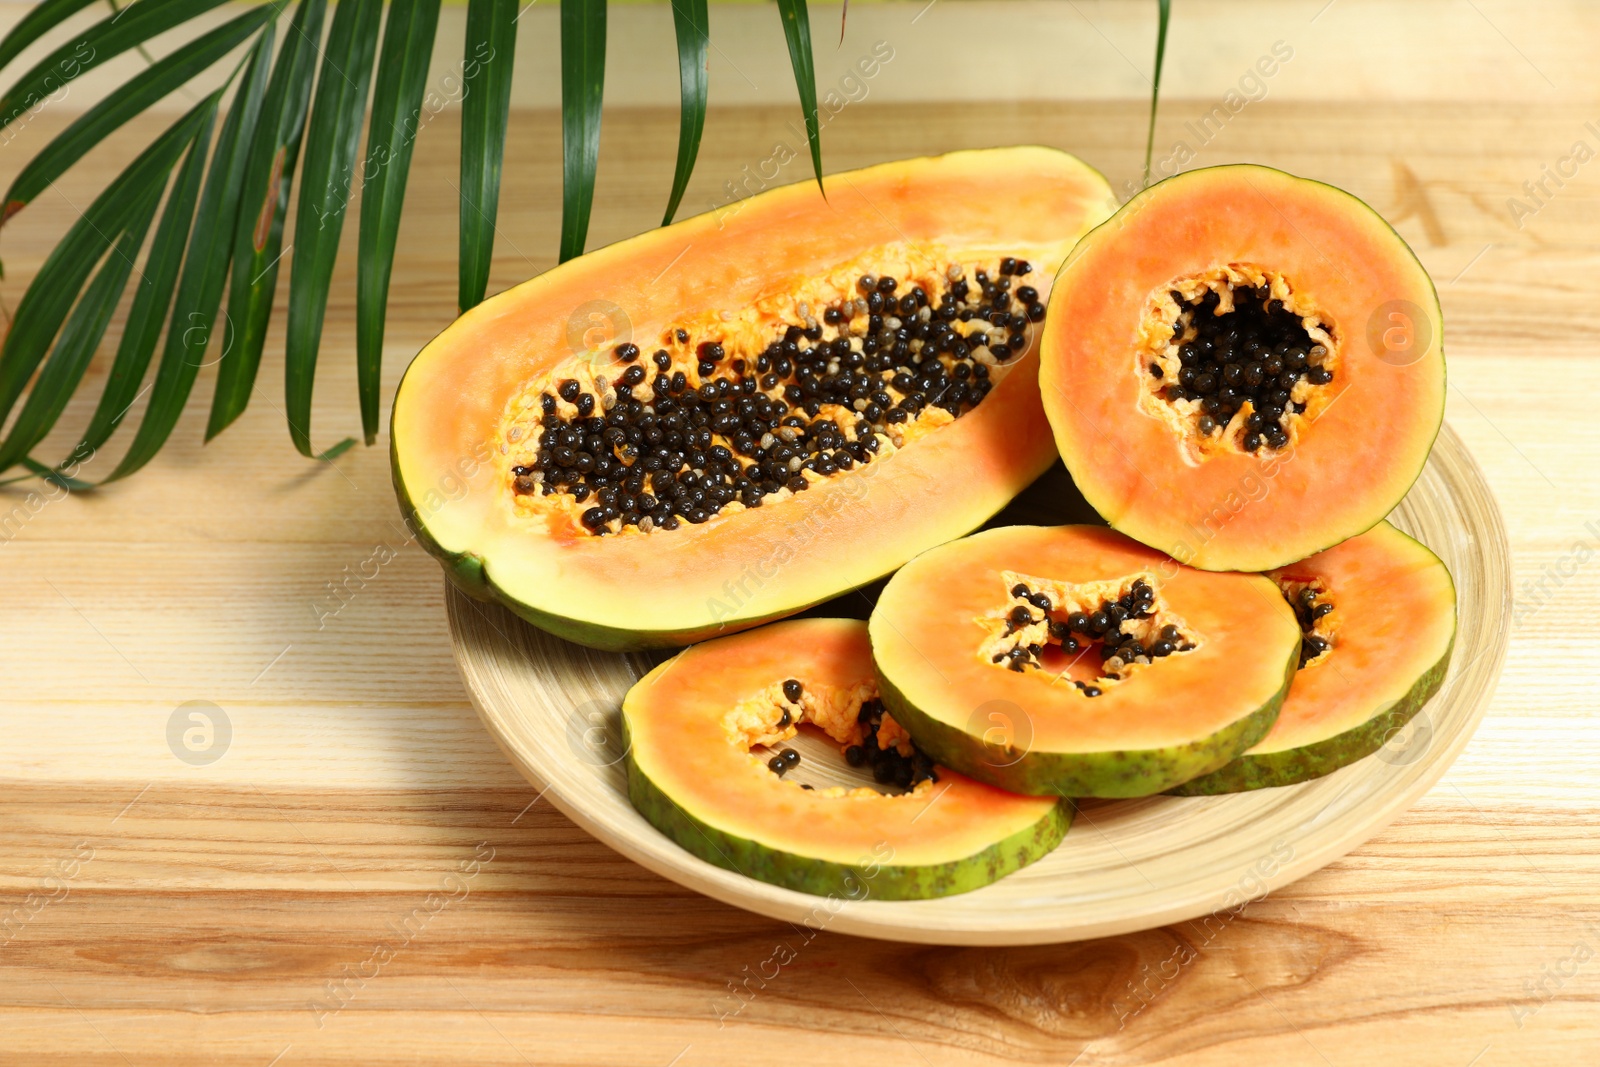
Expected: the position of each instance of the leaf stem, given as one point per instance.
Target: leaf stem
(141, 49)
(1164, 14)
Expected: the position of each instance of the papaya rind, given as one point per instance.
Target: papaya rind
(1120, 774)
(852, 881)
(1294, 765)
(469, 572)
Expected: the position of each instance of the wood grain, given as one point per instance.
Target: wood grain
(220, 900)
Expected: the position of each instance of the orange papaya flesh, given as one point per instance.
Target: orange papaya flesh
(732, 418)
(693, 721)
(1135, 673)
(1378, 619)
(1242, 367)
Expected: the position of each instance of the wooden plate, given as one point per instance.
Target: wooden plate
(1125, 865)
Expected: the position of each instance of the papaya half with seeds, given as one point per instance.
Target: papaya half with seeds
(692, 722)
(1074, 661)
(727, 420)
(1243, 368)
(1378, 622)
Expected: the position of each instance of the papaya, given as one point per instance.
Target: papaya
(1075, 661)
(1378, 621)
(691, 725)
(729, 419)
(1242, 367)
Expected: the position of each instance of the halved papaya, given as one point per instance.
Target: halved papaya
(1072, 660)
(1243, 367)
(729, 419)
(691, 724)
(1378, 622)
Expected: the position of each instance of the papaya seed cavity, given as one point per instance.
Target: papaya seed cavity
(1236, 360)
(726, 411)
(1109, 630)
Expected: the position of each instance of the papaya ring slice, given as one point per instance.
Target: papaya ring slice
(691, 721)
(1358, 417)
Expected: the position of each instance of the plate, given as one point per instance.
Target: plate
(1125, 865)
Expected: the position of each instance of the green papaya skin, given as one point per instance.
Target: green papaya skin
(873, 877)
(469, 572)
(1294, 765)
(1112, 774)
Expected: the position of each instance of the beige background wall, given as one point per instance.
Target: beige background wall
(1078, 49)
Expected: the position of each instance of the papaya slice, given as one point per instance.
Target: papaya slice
(692, 722)
(1378, 623)
(1072, 660)
(688, 432)
(1243, 367)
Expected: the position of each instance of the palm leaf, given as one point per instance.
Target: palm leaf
(54, 477)
(194, 311)
(583, 76)
(391, 134)
(146, 88)
(797, 31)
(485, 110)
(64, 370)
(205, 270)
(104, 40)
(263, 204)
(55, 288)
(152, 298)
(40, 20)
(223, 225)
(1164, 13)
(331, 140)
(692, 23)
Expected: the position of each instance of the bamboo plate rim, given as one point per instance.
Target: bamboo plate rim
(553, 708)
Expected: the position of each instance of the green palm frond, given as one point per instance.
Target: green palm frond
(103, 41)
(81, 335)
(485, 112)
(1163, 16)
(583, 75)
(797, 32)
(263, 208)
(50, 297)
(38, 22)
(205, 204)
(151, 300)
(199, 295)
(331, 140)
(391, 134)
(171, 73)
(692, 22)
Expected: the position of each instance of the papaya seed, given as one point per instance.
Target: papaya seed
(846, 382)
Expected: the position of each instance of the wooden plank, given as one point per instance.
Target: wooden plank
(217, 902)
(242, 904)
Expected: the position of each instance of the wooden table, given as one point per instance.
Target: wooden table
(228, 913)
